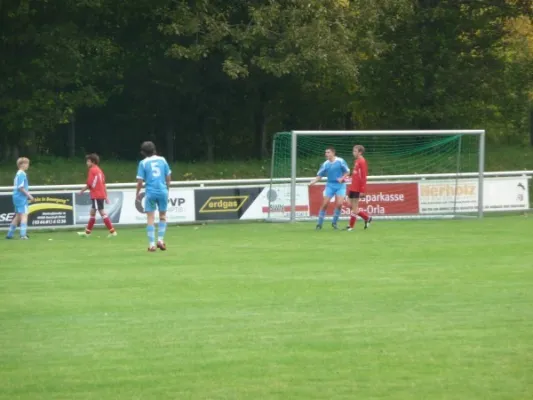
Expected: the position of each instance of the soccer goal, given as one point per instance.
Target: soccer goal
(412, 174)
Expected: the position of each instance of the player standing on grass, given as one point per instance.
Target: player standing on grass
(336, 170)
(155, 173)
(21, 197)
(96, 185)
(358, 187)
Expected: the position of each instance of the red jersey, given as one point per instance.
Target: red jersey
(360, 173)
(96, 183)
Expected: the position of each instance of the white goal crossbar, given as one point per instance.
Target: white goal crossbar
(474, 132)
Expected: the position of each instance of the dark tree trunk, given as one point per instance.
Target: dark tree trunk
(531, 127)
(206, 136)
(15, 152)
(260, 128)
(348, 121)
(264, 141)
(169, 141)
(429, 51)
(72, 137)
(29, 144)
(4, 153)
(210, 147)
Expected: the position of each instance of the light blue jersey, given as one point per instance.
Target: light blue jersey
(20, 201)
(154, 171)
(21, 181)
(334, 170)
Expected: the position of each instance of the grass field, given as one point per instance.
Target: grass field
(405, 310)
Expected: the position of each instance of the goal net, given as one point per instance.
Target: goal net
(412, 174)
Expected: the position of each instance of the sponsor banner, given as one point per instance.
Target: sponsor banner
(51, 209)
(47, 210)
(275, 202)
(7, 210)
(381, 199)
(180, 207)
(501, 194)
(83, 205)
(224, 203)
(450, 195)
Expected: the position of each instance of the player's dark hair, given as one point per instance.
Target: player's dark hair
(360, 149)
(332, 149)
(148, 149)
(93, 157)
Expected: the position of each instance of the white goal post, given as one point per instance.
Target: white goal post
(446, 146)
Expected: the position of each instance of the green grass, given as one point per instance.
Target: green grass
(50, 170)
(407, 310)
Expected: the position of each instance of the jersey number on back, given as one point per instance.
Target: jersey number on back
(156, 171)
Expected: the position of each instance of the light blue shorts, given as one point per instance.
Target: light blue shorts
(332, 190)
(21, 207)
(153, 202)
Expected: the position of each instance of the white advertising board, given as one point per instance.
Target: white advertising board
(461, 195)
(504, 194)
(277, 200)
(180, 207)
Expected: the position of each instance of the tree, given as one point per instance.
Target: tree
(315, 44)
(441, 67)
(55, 61)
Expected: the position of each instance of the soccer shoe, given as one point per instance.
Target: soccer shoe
(318, 227)
(84, 234)
(112, 235)
(334, 226)
(367, 223)
(24, 238)
(161, 245)
(9, 237)
(152, 249)
(348, 229)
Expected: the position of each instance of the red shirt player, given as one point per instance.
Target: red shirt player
(96, 185)
(358, 187)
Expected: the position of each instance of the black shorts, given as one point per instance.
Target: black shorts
(97, 204)
(353, 195)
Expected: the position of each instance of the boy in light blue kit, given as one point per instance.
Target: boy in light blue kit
(155, 173)
(21, 197)
(336, 170)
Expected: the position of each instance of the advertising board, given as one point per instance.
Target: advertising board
(131, 211)
(461, 195)
(224, 203)
(275, 202)
(383, 199)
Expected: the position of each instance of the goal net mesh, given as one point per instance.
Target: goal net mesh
(390, 158)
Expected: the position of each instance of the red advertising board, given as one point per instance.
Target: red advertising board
(380, 199)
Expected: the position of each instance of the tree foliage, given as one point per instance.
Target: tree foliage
(213, 79)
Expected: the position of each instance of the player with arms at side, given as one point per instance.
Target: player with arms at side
(97, 188)
(21, 197)
(155, 173)
(336, 170)
(358, 187)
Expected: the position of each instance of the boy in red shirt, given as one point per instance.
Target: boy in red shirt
(358, 187)
(96, 185)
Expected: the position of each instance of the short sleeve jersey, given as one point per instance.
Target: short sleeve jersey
(96, 183)
(153, 171)
(20, 181)
(333, 170)
(359, 176)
